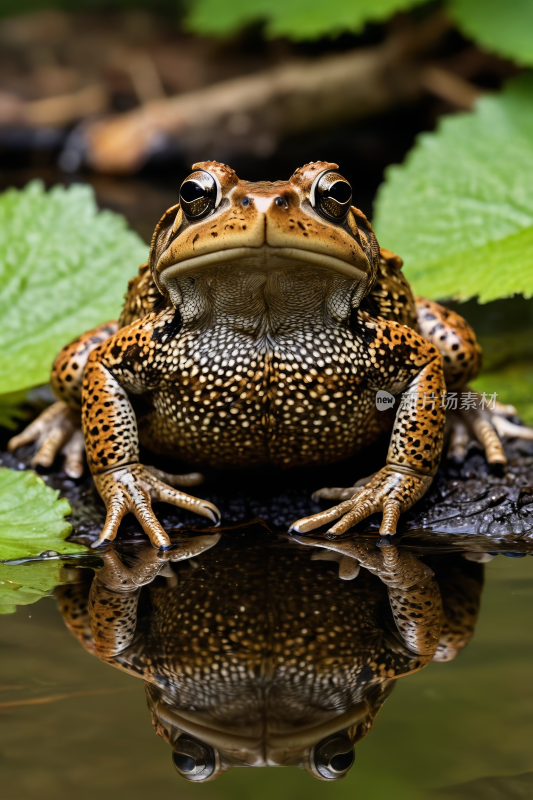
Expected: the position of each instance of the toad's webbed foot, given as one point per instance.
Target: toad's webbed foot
(56, 431)
(486, 426)
(390, 490)
(132, 488)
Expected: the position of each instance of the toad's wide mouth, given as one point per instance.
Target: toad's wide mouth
(264, 257)
(226, 737)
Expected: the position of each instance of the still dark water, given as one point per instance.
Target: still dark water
(73, 726)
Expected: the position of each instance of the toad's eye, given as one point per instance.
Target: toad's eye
(193, 759)
(333, 757)
(331, 195)
(199, 195)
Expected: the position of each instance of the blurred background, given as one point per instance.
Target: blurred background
(128, 94)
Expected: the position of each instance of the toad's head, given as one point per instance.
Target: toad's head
(272, 239)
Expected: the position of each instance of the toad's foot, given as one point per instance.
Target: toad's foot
(398, 569)
(390, 490)
(56, 431)
(488, 427)
(134, 487)
(148, 563)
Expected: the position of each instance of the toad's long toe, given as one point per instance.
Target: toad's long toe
(132, 489)
(390, 491)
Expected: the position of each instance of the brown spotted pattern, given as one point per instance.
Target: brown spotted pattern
(73, 602)
(414, 594)
(69, 366)
(391, 295)
(255, 639)
(310, 401)
(140, 298)
(455, 340)
(461, 593)
(251, 619)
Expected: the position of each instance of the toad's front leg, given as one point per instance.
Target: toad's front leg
(112, 445)
(401, 361)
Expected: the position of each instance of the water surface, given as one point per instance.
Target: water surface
(73, 726)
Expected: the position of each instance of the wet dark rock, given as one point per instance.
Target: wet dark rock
(467, 507)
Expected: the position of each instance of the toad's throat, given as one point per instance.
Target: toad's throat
(262, 294)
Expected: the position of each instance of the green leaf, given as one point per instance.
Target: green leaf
(296, 19)
(22, 584)
(31, 517)
(513, 384)
(460, 209)
(64, 268)
(10, 410)
(504, 26)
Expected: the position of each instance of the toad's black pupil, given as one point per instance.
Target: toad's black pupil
(184, 763)
(191, 191)
(340, 191)
(342, 761)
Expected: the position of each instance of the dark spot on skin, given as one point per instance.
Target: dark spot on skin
(170, 329)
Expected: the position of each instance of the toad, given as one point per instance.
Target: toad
(254, 653)
(261, 331)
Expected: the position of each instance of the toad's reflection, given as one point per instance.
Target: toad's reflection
(259, 652)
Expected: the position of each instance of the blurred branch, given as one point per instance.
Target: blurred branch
(54, 112)
(253, 112)
(450, 87)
